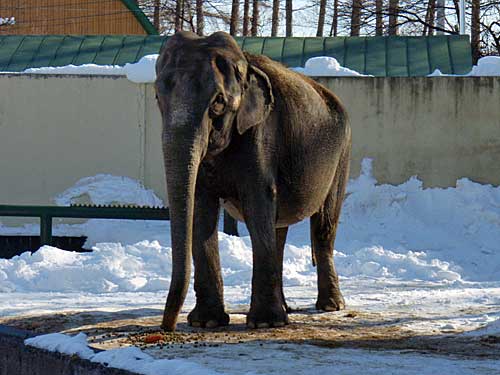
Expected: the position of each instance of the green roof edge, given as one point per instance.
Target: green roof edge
(140, 16)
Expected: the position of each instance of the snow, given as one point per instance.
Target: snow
(7, 21)
(429, 255)
(265, 358)
(58, 342)
(324, 66)
(486, 66)
(131, 358)
(105, 189)
(142, 71)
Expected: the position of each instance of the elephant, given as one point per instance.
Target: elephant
(269, 145)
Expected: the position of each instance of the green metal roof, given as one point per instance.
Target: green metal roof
(141, 17)
(378, 56)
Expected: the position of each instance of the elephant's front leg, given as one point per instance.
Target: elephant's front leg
(209, 310)
(267, 307)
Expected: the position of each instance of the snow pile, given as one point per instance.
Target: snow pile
(7, 21)
(142, 71)
(58, 342)
(144, 266)
(460, 225)
(486, 66)
(130, 358)
(400, 232)
(324, 66)
(107, 189)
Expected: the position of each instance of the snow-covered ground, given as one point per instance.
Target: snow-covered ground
(426, 260)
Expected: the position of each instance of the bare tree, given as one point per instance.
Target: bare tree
(379, 18)
(246, 17)
(178, 15)
(357, 5)
(393, 16)
(440, 16)
(275, 17)
(235, 17)
(255, 17)
(289, 16)
(429, 17)
(200, 19)
(335, 18)
(321, 17)
(474, 30)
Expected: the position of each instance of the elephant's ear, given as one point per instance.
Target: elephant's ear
(257, 100)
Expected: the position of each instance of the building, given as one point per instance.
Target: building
(73, 17)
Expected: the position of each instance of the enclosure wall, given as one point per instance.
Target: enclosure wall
(55, 130)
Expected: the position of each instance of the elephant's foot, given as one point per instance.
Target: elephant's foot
(204, 317)
(333, 302)
(266, 316)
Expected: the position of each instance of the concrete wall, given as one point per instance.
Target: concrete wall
(55, 130)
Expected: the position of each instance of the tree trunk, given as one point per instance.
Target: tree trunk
(393, 17)
(475, 31)
(379, 18)
(429, 18)
(246, 17)
(321, 17)
(356, 17)
(178, 15)
(156, 15)
(255, 17)
(200, 20)
(335, 18)
(440, 17)
(235, 17)
(275, 18)
(289, 10)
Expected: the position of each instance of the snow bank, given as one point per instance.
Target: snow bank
(108, 189)
(130, 358)
(486, 66)
(324, 66)
(402, 232)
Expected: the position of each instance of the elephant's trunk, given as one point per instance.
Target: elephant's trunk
(182, 154)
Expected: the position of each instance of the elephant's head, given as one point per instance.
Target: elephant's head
(207, 93)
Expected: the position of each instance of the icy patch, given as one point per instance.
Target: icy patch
(130, 358)
(58, 342)
(106, 189)
(324, 66)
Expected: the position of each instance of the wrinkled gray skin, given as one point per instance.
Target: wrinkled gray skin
(272, 145)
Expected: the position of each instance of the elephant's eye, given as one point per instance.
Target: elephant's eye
(218, 105)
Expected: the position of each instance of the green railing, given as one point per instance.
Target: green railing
(47, 213)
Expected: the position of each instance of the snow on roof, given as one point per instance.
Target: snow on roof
(323, 66)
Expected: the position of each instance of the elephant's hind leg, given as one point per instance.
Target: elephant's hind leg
(323, 231)
(209, 310)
